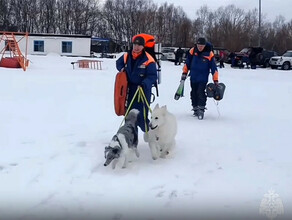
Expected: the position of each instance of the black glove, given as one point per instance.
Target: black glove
(183, 76)
(216, 82)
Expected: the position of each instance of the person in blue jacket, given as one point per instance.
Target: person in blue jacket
(200, 61)
(141, 71)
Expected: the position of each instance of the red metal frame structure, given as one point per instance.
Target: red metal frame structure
(12, 46)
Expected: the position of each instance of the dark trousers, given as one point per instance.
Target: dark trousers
(178, 61)
(198, 95)
(221, 64)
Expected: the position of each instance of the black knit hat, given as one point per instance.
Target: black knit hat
(139, 40)
(201, 41)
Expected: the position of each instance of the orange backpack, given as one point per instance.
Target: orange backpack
(149, 40)
(120, 93)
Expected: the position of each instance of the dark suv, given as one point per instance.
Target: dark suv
(253, 56)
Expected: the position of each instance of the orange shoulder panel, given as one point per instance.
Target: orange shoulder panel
(185, 68)
(126, 57)
(211, 55)
(192, 50)
(150, 59)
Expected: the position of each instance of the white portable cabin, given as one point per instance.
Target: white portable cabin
(64, 45)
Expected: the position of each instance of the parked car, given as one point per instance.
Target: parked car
(284, 61)
(253, 56)
(168, 53)
(226, 52)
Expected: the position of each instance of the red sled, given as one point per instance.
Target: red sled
(121, 93)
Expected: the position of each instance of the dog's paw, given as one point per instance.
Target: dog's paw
(113, 165)
(154, 157)
(137, 154)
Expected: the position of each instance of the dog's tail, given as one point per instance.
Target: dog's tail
(132, 116)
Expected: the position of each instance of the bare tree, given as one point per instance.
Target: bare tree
(46, 22)
(5, 11)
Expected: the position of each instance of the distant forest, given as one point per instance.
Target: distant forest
(228, 26)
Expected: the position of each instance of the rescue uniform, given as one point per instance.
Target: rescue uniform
(141, 71)
(199, 64)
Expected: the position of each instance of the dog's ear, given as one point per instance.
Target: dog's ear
(156, 106)
(115, 138)
(164, 109)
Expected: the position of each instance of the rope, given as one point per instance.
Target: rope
(145, 100)
(131, 103)
(141, 97)
(217, 105)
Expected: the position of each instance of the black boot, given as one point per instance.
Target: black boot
(195, 109)
(201, 110)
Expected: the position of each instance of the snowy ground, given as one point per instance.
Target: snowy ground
(56, 121)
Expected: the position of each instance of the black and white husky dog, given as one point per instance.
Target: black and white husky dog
(125, 140)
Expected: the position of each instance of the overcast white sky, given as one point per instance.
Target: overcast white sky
(270, 8)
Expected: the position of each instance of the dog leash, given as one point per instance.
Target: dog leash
(142, 97)
(217, 106)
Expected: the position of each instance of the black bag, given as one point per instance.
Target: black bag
(214, 91)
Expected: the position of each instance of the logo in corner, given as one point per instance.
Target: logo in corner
(271, 205)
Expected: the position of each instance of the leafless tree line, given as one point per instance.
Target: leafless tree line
(229, 26)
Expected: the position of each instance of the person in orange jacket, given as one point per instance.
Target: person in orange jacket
(200, 60)
(141, 71)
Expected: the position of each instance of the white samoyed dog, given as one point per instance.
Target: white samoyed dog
(162, 132)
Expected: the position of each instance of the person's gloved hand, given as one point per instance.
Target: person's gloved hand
(183, 76)
(216, 82)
